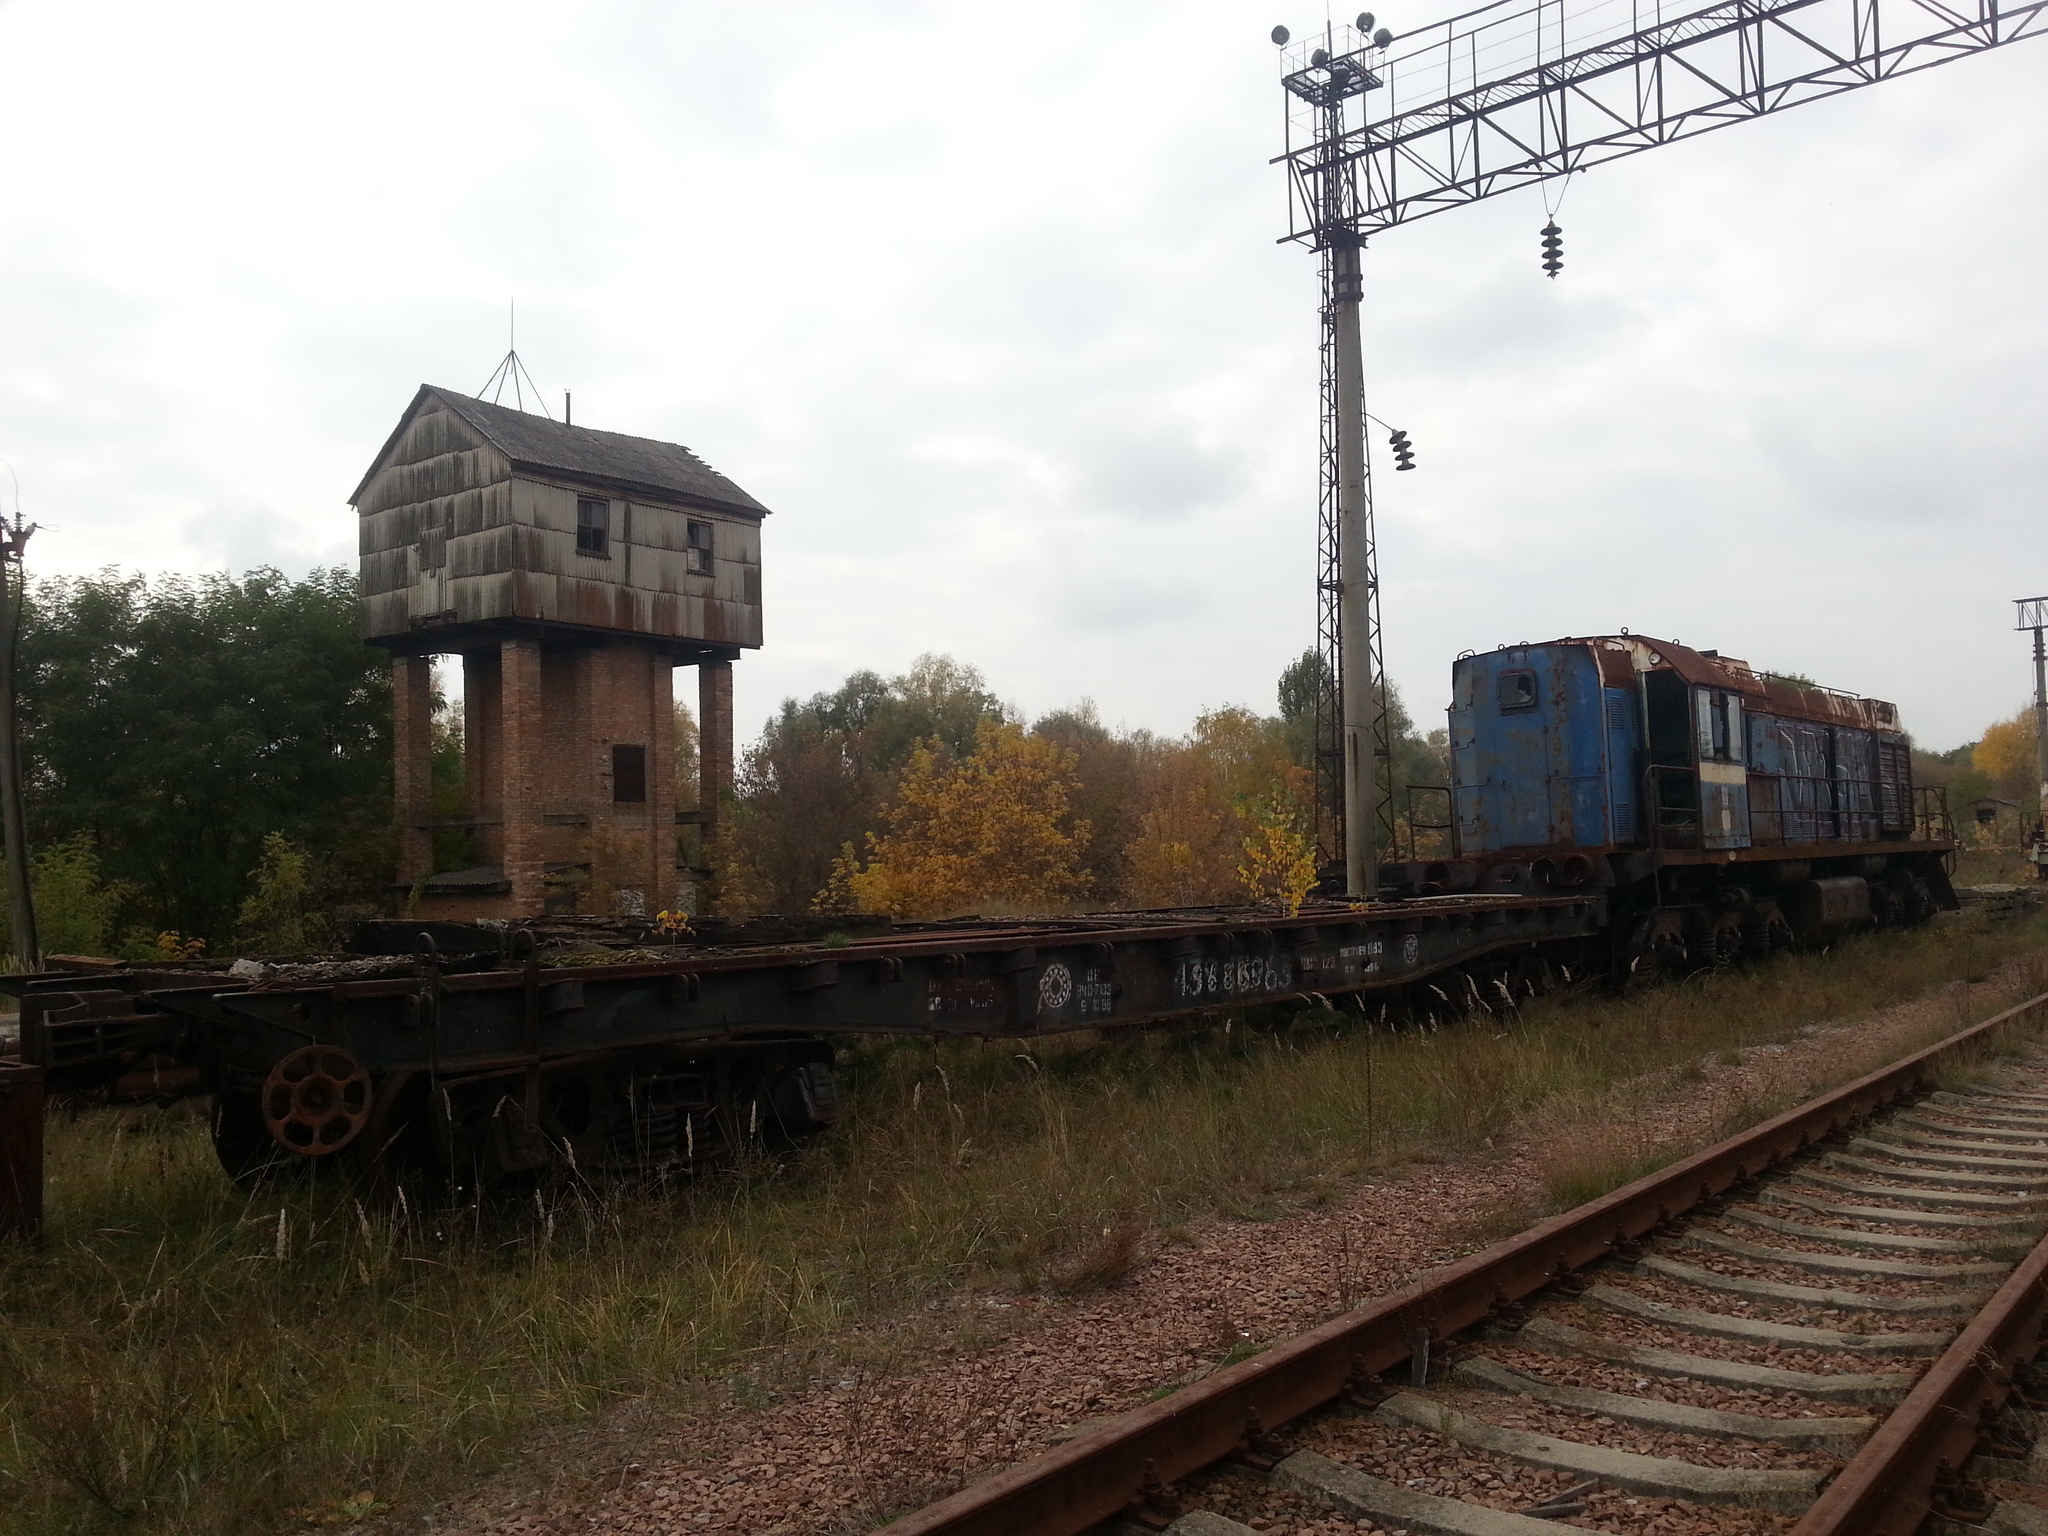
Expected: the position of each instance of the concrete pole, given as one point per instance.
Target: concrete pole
(2041, 722)
(21, 909)
(1361, 797)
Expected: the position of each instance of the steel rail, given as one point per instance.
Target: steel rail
(1097, 1475)
(1888, 1486)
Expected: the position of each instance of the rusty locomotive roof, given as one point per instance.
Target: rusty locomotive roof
(535, 443)
(1621, 657)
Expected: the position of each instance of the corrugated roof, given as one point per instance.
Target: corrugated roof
(632, 463)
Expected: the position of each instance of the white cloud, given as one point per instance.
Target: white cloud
(986, 304)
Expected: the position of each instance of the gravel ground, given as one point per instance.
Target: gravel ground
(995, 1378)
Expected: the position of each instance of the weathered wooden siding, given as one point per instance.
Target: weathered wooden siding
(509, 549)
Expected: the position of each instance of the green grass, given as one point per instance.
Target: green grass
(184, 1356)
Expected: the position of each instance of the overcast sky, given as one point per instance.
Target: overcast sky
(985, 302)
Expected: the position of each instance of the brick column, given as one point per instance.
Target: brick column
(482, 752)
(661, 781)
(714, 751)
(521, 742)
(412, 757)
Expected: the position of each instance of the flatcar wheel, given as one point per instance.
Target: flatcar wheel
(242, 1142)
(316, 1100)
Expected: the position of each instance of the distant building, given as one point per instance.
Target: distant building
(572, 570)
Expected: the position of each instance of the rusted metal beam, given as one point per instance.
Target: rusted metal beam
(1095, 1476)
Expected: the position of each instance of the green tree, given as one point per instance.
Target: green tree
(275, 918)
(824, 767)
(76, 907)
(179, 721)
(1109, 766)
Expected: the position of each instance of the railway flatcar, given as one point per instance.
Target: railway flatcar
(1614, 800)
(1720, 810)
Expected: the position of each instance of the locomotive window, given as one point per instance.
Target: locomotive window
(1517, 690)
(1720, 725)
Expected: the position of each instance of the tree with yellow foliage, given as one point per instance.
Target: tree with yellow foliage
(2005, 756)
(1201, 799)
(990, 830)
(1279, 865)
(1185, 850)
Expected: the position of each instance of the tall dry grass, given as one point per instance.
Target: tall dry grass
(183, 1356)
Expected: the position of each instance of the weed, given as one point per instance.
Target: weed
(1588, 1163)
(1103, 1262)
(185, 1355)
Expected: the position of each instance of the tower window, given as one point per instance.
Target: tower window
(699, 538)
(593, 526)
(629, 775)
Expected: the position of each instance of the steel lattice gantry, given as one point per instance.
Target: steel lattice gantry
(1383, 130)
(1439, 134)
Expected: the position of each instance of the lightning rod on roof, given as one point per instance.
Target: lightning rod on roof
(511, 372)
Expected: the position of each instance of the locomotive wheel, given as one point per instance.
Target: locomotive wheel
(1778, 934)
(316, 1100)
(1659, 947)
(1912, 901)
(1726, 947)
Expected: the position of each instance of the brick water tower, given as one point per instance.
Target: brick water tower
(572, 571)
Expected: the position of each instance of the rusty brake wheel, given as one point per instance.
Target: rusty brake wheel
(316, 1100)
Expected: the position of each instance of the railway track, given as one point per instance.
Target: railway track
(1825, 1326)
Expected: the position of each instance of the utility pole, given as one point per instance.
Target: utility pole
(2034, 615)
(1351, 725)
(1355, 600)
(21, 911)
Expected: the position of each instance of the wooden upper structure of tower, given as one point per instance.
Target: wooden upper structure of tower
(572, 570)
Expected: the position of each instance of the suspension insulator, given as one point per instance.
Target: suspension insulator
(1553, 249)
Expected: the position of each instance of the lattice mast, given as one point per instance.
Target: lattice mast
(2033, 615)
(1353, 745)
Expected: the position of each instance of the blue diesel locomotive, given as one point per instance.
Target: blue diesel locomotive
(1720, 810)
